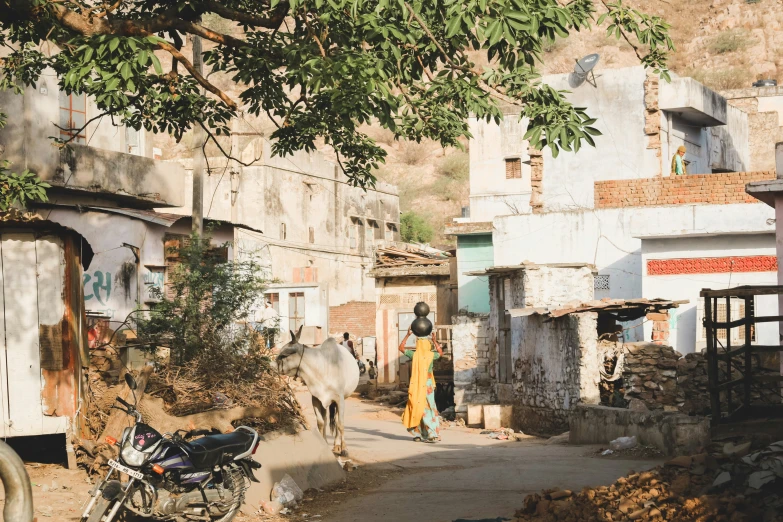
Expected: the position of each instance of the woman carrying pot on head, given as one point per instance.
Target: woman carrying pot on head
(421, 415)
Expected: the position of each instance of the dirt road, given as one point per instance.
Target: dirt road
(467, 476)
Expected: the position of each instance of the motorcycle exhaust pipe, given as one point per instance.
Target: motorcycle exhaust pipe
(16, 482)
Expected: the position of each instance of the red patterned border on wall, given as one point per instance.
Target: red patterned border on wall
(712, 265)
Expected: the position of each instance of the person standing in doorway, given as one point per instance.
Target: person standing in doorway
(349, 345)
(270, 321)
(421, 416)
(678, 162)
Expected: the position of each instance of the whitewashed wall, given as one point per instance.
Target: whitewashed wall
(684, 321)
(609, 239)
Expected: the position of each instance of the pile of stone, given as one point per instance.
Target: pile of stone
(731, 486)
(650, 376)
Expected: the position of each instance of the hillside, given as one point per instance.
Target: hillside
(725, 44)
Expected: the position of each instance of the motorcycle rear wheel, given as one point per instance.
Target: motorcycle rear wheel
(100, 509)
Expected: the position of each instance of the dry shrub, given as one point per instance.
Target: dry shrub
(722, 79)
(413, 153)
(731, 41)
(240, 380)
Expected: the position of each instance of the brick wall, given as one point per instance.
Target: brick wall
(711, 189)
(355, 317)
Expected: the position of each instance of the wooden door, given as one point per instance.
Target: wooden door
(32, 293)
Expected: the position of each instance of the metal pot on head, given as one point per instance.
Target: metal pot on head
(421, 327)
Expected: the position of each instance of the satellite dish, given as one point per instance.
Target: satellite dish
(584, 69)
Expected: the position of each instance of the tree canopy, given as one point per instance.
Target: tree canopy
(321, 68)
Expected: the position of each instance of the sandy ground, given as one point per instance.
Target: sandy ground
(467, 476)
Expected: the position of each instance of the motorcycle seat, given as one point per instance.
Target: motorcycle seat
(214, 450)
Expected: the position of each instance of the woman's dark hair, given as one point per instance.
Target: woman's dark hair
(346, 335)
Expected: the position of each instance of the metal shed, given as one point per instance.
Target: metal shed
(43, 334)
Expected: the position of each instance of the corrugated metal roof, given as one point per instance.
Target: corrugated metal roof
(160, 218)
(625, 309)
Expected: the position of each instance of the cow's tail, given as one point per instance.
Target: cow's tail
(332, 418)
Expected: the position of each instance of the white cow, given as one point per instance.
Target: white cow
(330, 373)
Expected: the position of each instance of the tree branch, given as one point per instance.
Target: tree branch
(273, 22)
(76, 132)
(197, 75)
(625, 36)
(222, 150)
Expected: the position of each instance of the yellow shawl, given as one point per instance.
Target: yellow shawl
(417, 390)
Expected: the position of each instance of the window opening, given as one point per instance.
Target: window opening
(296, 310)
(73, 116)
(514, 168)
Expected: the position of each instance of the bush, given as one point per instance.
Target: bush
(455, 166)
(199, 314)
(722, 79)
(414, 228)
(731, 41)
(413, 153)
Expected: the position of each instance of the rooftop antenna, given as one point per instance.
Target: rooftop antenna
(583, 71)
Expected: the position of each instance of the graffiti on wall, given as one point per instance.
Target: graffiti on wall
(97, 286)
(153, 282)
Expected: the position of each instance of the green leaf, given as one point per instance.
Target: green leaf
(125, 71)
(113, 44)
(156, 64)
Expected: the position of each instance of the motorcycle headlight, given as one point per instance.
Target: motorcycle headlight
(132, 456)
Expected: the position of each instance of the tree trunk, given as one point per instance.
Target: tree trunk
(118, 420)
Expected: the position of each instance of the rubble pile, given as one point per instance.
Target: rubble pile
(730, 485)
(650, 375)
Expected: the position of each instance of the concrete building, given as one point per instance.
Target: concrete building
(616, 207)
(764, 107)
(305, 225)
(601, 205)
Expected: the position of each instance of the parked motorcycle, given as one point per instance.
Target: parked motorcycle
(170, 477)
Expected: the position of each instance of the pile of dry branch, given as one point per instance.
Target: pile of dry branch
(241, 390)
(409, 255)
(729, 486)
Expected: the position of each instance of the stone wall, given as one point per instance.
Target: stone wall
(650, 376)
(711, 189)
(472, 383)
(555, 367)
(693, 395)
(354, 317)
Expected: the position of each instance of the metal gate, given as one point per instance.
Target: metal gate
(741, 384)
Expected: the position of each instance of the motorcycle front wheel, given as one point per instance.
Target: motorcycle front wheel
(100, 509)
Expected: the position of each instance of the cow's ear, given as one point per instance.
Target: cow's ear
(293, 336)
(299, 333)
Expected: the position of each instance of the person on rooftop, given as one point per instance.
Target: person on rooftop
(678, 162)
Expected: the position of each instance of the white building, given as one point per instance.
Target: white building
(616, 207)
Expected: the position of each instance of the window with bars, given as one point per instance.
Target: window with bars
(296, 310)
(737, 312)
(73, 116)
(513, 168)
(282, 231)
(311, 235)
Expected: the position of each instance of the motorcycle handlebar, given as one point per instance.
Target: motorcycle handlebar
(125, 403)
